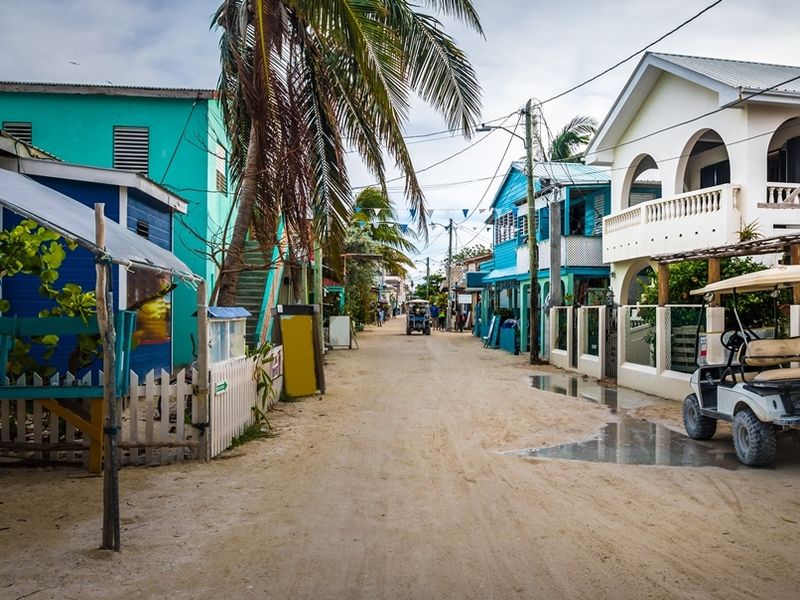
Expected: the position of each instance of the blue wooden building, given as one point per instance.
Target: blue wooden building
(131, 199)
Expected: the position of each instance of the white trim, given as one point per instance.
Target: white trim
(123, 272)
(49, 168)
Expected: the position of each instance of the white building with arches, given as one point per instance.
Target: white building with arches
(719, 143)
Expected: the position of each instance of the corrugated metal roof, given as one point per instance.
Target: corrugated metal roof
(738, 73)
(567, 173)
(91, 89)
(75, 222)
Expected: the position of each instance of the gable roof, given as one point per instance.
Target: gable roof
(732, 80)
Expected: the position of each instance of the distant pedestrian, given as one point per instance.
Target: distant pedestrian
(459, 320)
(434, 316)
(442, 318)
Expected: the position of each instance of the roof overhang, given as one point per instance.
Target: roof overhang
(27, 87)
(76, 222)
(775, 278)
(62, 170)
(600, 150)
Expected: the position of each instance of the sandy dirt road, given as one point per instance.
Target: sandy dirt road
(393, 485)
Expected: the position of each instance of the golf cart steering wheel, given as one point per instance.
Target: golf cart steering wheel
(733, 340)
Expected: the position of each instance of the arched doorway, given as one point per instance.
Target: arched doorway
(783, 154)
(642, 181)
(704, 162)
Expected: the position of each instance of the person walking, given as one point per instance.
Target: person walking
(434, 316)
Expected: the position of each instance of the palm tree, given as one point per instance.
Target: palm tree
(299, 77)
(372, 212)
(568, 144)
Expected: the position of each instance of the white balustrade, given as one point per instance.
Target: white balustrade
(777, 193)
(693, 220)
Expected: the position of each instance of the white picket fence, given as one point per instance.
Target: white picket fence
(159, 421)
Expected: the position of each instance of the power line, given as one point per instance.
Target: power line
(632, 56)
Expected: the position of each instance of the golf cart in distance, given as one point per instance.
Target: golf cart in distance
(755, 388)
(418, 317)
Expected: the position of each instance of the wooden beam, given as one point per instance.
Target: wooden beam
(794, 253)
(663, 284)
(714, 273)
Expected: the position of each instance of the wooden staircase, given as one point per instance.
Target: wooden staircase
(251, 288)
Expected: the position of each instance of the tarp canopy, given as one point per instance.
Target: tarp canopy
(75, 222)
(768, 279)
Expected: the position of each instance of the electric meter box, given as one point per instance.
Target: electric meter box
(226, 332)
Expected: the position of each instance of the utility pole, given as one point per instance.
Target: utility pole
(533, 248)
(428, 278)
(556, 228)
(449, 313)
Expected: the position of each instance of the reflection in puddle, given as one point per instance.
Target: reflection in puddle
(632, 442)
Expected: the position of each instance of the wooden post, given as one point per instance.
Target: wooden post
(714, 273)
(202, 372)
(663, 284)
(105, 321)
(795, 258)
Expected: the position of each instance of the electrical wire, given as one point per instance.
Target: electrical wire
(632, 56)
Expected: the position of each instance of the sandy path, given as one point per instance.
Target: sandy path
(392, 486)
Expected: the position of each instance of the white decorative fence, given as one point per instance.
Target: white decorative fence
(160, 417)
(156, 424)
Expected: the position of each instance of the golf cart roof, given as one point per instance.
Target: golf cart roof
(417, 301)
(769, 279)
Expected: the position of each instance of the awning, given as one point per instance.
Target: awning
(500, 274)
(768, 279)
(75, 222)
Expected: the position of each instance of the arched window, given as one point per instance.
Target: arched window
(783, 155)
(704, 162)
(642, 181)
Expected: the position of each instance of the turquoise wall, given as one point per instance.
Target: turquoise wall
(79, 129)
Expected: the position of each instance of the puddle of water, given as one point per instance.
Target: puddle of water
(631, 442)
(591, 390)
(636, 442)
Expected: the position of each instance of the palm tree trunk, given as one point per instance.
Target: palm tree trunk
(234, 257)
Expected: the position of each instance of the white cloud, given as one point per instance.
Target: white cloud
(532, 48)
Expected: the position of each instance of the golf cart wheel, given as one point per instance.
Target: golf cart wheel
(697, 425)
(408, 330)
(427, 331)
(753, 439)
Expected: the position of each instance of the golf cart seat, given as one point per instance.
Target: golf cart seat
(773, 353)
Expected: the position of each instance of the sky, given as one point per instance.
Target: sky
(531, 49)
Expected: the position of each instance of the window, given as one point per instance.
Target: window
(222, 180)
(544, 224)
(20, 130)
(715, 174)
(522, 226)
(143, 229)
(504, 228)
(131, 149)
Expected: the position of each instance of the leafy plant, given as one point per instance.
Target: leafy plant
(264, 388)
(750, 231)
(30, 249)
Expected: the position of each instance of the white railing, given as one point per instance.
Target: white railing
(699, 219)
(232, 395)
(153, 423)
(576, 251)
(778, 192)
(159, 421)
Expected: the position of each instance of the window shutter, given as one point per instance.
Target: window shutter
(222, 180)
(131, 149)
(20, 130)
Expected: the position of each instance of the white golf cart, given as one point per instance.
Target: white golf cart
(756, 388)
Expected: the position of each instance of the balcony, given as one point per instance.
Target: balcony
(576, 251)
(692, 221)
(777, 193)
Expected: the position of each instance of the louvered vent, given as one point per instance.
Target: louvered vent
(222, 180)
(131, 148)
(21, 131)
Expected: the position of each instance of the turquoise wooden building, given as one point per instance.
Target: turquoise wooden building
(583, 200)
(173, 136)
